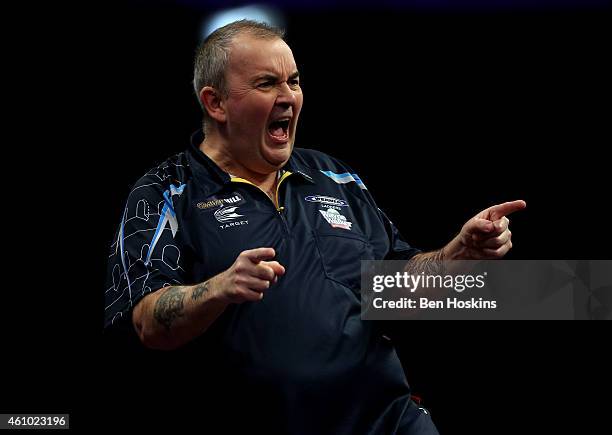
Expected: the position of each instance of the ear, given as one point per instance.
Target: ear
(213, 103)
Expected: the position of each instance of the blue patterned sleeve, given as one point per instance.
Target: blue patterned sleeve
(146, 252)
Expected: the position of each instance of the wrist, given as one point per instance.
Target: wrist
(217, 290)
(457, 250)
(454, 250)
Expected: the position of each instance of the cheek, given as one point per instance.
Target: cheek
(250, 111)
(258, 113)
(299, 102)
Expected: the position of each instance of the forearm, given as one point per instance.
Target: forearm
(173, 316)
(434, 263)
(442, 261)
(430, 263)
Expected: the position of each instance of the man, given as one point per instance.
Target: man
(250, 250)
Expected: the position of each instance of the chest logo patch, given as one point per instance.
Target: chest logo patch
(229, 217)
(235, 199)
(327, 200)
(227, 214)
(335, 219)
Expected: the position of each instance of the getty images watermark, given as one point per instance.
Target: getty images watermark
(411, 283)
(493, 289)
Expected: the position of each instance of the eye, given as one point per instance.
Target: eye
(294, 82)
(265, 84)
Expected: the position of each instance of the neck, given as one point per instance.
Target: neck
(216, 149)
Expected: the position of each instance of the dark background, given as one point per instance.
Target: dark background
(443, 111)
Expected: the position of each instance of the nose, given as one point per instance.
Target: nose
(286, 95)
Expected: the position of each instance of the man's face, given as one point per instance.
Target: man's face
(263, 103)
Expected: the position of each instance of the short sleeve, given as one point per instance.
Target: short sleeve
(399, 249)
(146, 252)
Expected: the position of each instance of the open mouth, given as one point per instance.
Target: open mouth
(279, 129)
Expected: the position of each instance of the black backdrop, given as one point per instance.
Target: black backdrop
(442, 114)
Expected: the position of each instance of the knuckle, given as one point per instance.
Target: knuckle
(234, 294)
(270, 275)
(243, 293)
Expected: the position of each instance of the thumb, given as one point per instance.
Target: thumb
(259, 254)
(277, 268)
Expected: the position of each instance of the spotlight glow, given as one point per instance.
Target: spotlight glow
(260, 13)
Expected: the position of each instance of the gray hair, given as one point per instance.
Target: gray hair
(212, 56)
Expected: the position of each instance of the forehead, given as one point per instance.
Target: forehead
(251, 55)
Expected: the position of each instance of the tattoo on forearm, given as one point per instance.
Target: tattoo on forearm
(199, 290)
(169, 306)
(431, 263)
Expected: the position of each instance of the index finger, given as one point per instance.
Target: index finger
(501, 210)
(259, 254)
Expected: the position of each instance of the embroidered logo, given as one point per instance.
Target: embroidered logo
(227, 214)
(327, 200)
(335, 219)
(229, 217)
(235, 199)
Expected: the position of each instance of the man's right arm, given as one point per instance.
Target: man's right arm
(172, 316)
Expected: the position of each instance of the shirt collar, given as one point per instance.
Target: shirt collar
(212, 178)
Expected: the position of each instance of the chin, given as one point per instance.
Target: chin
(278, 155)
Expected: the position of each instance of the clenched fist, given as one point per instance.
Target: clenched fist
(249, 277)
